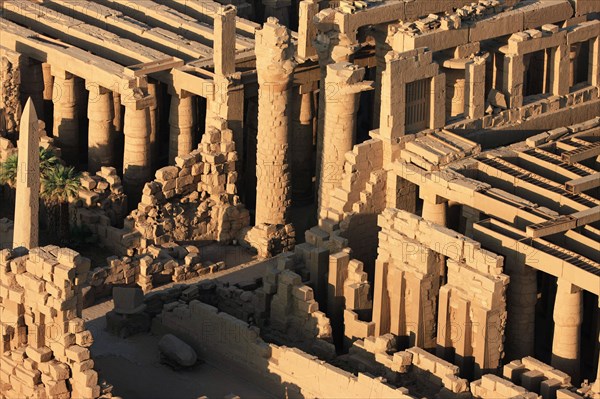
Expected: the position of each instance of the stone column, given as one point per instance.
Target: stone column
(117, 112)
(100, 134)
(343, 86)
(47, 95)
(32, 84)
(27, 200)
(331, 47)
(136, 157)
(521, 298)
(306, 28)
(381, 49)
(224, 48)
(514, 75)
(475, 88)
(66, 120)
(302, 143)
(568, 315)
(435, 209)
(182, 125)
(274, 65)
(153, 90)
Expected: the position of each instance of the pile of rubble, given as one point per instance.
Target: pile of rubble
(196, 198)
(154, 266)
(44, 350)
(100, 195)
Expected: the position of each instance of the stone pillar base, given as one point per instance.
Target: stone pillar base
(269, 239)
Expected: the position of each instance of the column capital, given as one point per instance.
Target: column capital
(274, 54)
(348, 78)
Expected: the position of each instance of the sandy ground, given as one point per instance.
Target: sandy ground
(132, 365)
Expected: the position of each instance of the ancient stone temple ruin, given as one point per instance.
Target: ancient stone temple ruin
(315, 198)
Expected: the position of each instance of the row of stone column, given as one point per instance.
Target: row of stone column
(104, 109)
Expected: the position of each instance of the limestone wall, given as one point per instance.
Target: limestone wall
(218, 335)
(44, 351)
(415, 368)
(10, 80)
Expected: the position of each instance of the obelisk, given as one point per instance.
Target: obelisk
(27, 203)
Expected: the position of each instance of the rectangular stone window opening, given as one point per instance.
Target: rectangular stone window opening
(537, 77)
(418, 103)
(579, 65)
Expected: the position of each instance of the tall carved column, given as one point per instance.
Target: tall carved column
(66, 120)
(27, 200)
(521, 297)
(381, 49)
(100, 133)
(136, 158)
(568, 315)
(331, 47)
(182, 125)
(153, 90)
(274, 65)
(343, 86)
(302, 143)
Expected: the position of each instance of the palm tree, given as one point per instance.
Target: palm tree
(60, 184)
(8, 169)
(8, 173)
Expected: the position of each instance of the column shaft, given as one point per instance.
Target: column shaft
(100, 134)
(302, 142)
(136, 158)
(435, 213)
(154, 122)
(182, 126)
(568, 315)
(343, 85)
(274, 66)
(521, 297)
(66, 120)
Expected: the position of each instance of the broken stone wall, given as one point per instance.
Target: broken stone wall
(360, 199)
(218, 335)
(10, 81)
(415, 368)
(44, 350)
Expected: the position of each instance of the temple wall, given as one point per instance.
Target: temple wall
(218, 335)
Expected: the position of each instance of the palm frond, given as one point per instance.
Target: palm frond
(59, 184)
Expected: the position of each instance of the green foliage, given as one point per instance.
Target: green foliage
(9, 168)
(59, 184)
